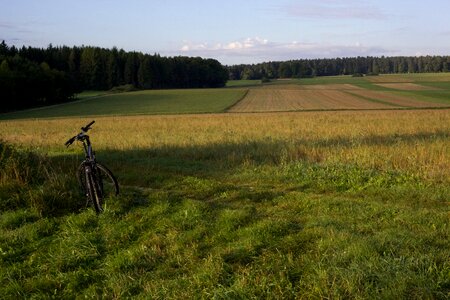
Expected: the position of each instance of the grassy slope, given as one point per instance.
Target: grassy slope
(141, 102)
(312, 205)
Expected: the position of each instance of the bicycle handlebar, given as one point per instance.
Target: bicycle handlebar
(78, 136)
(88, 126)
(70, 141)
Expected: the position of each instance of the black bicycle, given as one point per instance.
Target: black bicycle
(96, 181)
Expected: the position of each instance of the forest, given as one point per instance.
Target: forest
(305, 68)
(31, 77)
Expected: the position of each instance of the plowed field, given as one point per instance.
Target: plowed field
(263, 100)
(295, 97)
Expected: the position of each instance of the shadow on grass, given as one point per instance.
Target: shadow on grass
(145, 166)
(202, 172)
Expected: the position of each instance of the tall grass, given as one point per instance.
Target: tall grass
(29, 181)
(409, 141)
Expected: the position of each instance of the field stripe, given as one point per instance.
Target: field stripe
(406, 86)
(266, 100)
(237, 101)
(395, 100)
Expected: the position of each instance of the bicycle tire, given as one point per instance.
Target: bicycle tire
(108, 182)
(103, 180)
(94, 191)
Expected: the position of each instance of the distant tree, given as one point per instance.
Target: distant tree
(4, 49)
(144, 73)
(131, 68)
(285, 70)
(342, 66)
(74, 68)
(88, 65)
(248, 73)
(112, 69)
(446, 65)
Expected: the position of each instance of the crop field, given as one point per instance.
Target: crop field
(387, 92)
(291, 99)
(285, 205)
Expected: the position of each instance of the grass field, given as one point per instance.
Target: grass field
(140, 103)
(338, 204)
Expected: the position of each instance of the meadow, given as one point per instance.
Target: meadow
(94, 103)
(286, 205)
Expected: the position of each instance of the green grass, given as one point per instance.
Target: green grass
(243, 83)
(90, 94)
(140, 102)
(198, 224)
(434, 96)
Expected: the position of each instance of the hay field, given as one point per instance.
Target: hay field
(414, 141)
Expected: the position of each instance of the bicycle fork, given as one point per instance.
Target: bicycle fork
(88, 176)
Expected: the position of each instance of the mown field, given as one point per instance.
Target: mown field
(338, 204)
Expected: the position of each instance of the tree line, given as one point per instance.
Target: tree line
(31, 76)
(304, 68)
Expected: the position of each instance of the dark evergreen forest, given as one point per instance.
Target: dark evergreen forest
(305, 68)
(32, 77)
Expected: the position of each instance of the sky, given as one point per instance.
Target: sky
(231, 31)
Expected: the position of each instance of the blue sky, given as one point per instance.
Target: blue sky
(234, 31)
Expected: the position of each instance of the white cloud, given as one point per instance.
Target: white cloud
(252, 50)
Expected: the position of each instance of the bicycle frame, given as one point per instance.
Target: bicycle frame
(90, 156)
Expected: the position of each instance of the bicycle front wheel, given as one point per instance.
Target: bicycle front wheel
(103, 180)
(94, 190)
(108, 182)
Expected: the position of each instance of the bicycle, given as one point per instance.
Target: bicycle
(96, 180)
